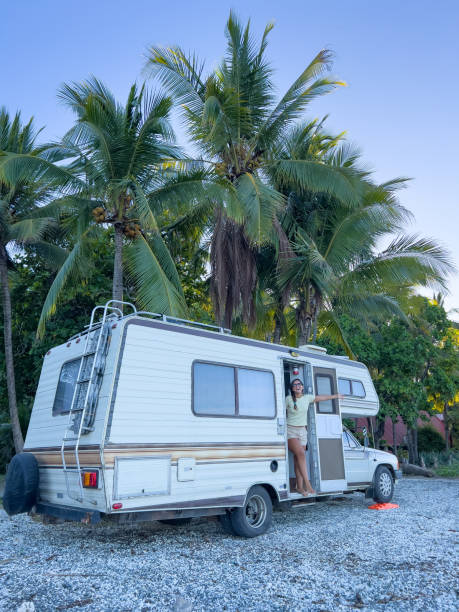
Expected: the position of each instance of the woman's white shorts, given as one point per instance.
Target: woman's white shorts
(300, 433)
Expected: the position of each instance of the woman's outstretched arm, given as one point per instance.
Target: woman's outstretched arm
(324, 398)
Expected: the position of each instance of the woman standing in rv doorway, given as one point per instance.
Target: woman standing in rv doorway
(297, 404)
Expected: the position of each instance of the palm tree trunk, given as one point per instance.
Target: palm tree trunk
(314, 326)
(412, 439)
(277, 330)
(117, 292)
(303, 319)
(447, 425)
(394, 440)
(8, 337)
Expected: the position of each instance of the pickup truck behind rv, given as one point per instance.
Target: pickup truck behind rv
(142, 416)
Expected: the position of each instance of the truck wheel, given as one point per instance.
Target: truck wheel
(21, 486)
(225, 522)
(383, 487)
(176, 522)
(255, 517)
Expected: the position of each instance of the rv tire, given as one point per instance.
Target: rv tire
(176, 521)
(383, 485)
(21, 484)
(255, 517)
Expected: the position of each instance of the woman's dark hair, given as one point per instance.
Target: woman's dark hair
(295, 407)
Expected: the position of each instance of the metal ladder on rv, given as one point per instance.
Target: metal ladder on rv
(85, 396)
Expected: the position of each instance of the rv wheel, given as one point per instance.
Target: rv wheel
(255, 517)
(383, 485)
(21, 484)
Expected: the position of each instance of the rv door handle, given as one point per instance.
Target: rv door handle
(281, 426)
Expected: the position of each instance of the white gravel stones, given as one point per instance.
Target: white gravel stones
(337, 555)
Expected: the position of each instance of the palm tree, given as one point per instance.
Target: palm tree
(336, 267)
(128, 170)
(20, 225)
(232, 117)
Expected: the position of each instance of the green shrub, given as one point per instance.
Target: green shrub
(448, 471)
(436, 459)
(429, 439)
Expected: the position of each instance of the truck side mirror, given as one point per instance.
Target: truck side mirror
(365, 437)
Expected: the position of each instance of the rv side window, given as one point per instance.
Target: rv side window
(213, 390)
(255, 393)
(358, 389)
(344, 386)
(231, 391)
(351, 387)
(66, 387)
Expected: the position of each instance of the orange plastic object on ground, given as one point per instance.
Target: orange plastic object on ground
(383, 506)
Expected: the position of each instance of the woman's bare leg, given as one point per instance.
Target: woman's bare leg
(299, 480)
(297, 449)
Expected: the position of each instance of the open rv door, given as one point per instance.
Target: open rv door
(325, 434)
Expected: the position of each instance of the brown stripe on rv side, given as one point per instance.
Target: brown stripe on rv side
(208, 454)
(48, 457)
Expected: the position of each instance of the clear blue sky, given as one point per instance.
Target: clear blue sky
(399, 59)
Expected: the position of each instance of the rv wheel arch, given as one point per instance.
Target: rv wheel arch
(255, 516)
(269, 488)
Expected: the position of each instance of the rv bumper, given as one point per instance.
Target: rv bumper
(68, 514)
(398, 474)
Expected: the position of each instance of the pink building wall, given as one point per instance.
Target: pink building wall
(435, 421)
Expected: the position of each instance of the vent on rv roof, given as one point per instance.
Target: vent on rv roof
(312, 347)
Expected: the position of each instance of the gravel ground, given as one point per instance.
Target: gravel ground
(336, 555)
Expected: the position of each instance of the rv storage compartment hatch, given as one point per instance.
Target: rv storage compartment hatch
(141, 476)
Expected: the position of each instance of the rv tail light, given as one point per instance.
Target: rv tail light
(114, 325)
(90, 480)
(117, 506)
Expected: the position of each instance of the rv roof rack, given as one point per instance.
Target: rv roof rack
(177, 321)
(142, 313)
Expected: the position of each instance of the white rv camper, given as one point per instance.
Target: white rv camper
(144, 417)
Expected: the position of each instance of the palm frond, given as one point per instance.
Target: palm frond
(316, 177)
(29, 230)
(151, 270)
(180, 74)
(69, 270)
(330, 326)
(260, 204)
